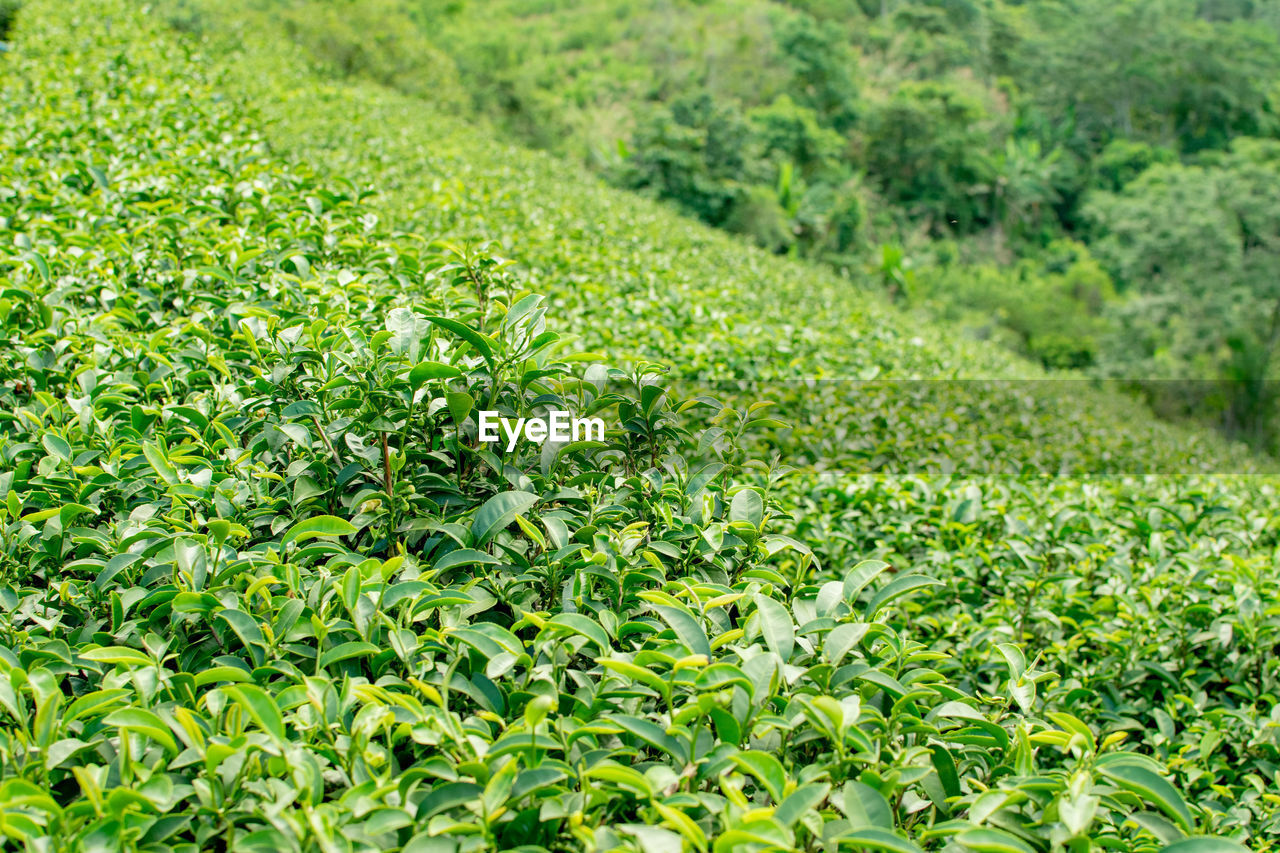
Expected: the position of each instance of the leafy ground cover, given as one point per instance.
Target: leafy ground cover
(263, 588)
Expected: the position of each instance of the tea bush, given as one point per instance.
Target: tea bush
(263, 588)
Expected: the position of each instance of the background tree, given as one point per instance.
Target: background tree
(928, 148)
(1200, 245)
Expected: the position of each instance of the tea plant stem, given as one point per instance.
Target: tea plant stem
(324, 438)
(389, 486)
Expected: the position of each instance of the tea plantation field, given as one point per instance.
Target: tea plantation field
(263, 588)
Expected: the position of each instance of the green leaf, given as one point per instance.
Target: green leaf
(481, 642)
(351, 582)
(704, 475)
(720, 675)
(160, 463)
(346, 651)
(687, 629)
(537, 709)
(318, 526)
(1152, 788)
(219, 529)
(841, 639)
(765, 768)
(91, 704)
(636, 673)
(897, 588)
(653, 839)
(866, 807)
(296, 433)
(1069, 723)
(145, 722)
(460, 404)
(57, 446)
(1204, 844)
(42, 267)
(118, 654)
(407, 331)
(986, 840)
(800, 801)
(221, 673)
(861, 575)
(945, 765)
(425, 371)
(261, 707)
(463, 557)
(589, 628)
(62, 750)
(877, 839)
(245, 626)
(775, 622)
(497, 513)
(479, 342)
(499, 787)
(747, 506)
(99, 177)
(448, 795)
(532, 780)
(652, 734)
(1156, 824)
(624, 777)
(1014, 657)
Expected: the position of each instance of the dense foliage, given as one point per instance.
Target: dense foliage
(262, 588)
(968, 139)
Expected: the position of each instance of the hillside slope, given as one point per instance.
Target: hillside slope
(633, 278)
(1009, 164)
(264, 589)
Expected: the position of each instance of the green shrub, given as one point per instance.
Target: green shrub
(757, 214)
(8, 11)
(376, 39)
(787, 133)
(1056, 307)
(928, 147)
(1125, 159)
